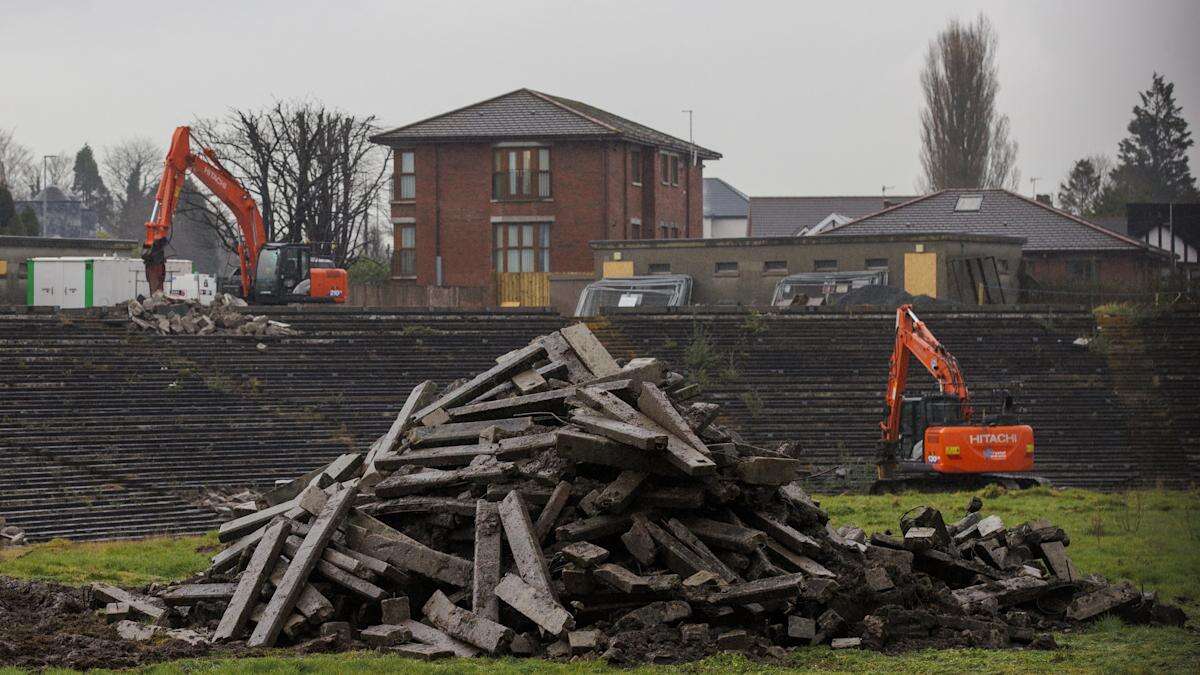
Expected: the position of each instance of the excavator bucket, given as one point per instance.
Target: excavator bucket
(155, 259)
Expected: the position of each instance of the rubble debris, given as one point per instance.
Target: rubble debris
(167, 316)
(521, 513)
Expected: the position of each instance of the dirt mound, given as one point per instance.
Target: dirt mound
(887, 296)
(44, 625)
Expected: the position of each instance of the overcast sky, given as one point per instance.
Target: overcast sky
(801, 98)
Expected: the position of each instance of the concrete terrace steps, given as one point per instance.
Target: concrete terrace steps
(87, 403)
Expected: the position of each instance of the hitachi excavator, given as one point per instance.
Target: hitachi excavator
(270, 273)
(931, 441)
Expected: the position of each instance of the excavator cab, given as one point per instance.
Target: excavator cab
(917, 414)
(290, 273)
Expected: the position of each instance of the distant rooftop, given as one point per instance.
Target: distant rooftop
(722, 200)
(1043, 227)
(788, 216)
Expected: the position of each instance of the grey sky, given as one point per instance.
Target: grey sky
(801, 98)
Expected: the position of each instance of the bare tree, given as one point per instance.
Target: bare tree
(58, 171)
(16, 165)
(964, 140)
(133, 169)
(313, 170)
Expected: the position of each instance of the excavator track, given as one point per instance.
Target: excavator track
(955, 482)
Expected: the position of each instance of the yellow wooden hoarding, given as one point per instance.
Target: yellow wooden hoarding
(523, 289)
(920, 274)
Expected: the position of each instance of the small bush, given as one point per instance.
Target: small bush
(367, 271)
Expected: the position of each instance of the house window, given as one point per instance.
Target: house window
(406, 250)
(665, 168)
(521, 173)
(1084, 270)
(660, 268)
(825, 265)
(725, 268)
(522, 247)
(23, 270)
(775, 267)
(968, 203)
(407, 186)
(635, 158)
(877, 263)
(674, 170)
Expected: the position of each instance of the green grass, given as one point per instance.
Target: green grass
(1150, 537)
(125, 563)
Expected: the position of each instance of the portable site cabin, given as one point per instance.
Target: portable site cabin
(78, 282)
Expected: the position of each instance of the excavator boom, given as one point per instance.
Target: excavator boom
(208, 170)
(915, 339)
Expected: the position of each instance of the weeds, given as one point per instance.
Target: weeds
(755, 323)
(700, 355)
(753, 403)
(1130, 512)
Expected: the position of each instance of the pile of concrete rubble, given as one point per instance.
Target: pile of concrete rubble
(168, 316)
(561, 504)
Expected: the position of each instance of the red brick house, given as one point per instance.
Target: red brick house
(503, 194)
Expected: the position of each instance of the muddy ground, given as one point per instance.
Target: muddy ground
(48, 625)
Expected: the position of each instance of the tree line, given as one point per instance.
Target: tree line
(965, 139)
(312, 169)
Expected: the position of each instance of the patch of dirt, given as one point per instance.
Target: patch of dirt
(45, 625)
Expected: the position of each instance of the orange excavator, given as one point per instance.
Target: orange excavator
(269, 273)
(931, 441)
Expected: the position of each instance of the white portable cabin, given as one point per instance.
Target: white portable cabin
(78, 282)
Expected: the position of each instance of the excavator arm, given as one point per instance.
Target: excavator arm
(208, 170)
(913, 338)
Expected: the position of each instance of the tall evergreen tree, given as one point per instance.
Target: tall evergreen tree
(1081, 192)
(26, 224)
(1152, 161)
(8, 210)
(89, 187)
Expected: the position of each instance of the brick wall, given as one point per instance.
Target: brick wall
(592, 198)
(1132, 269)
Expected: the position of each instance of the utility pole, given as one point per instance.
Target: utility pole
(1033, 182)
(691, 142)
(44, 220)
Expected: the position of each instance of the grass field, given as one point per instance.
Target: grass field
(1149, 537)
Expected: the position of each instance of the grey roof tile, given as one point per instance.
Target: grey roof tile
(525, 113)
(785, 216)
(722, 200)
(1001, 212)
